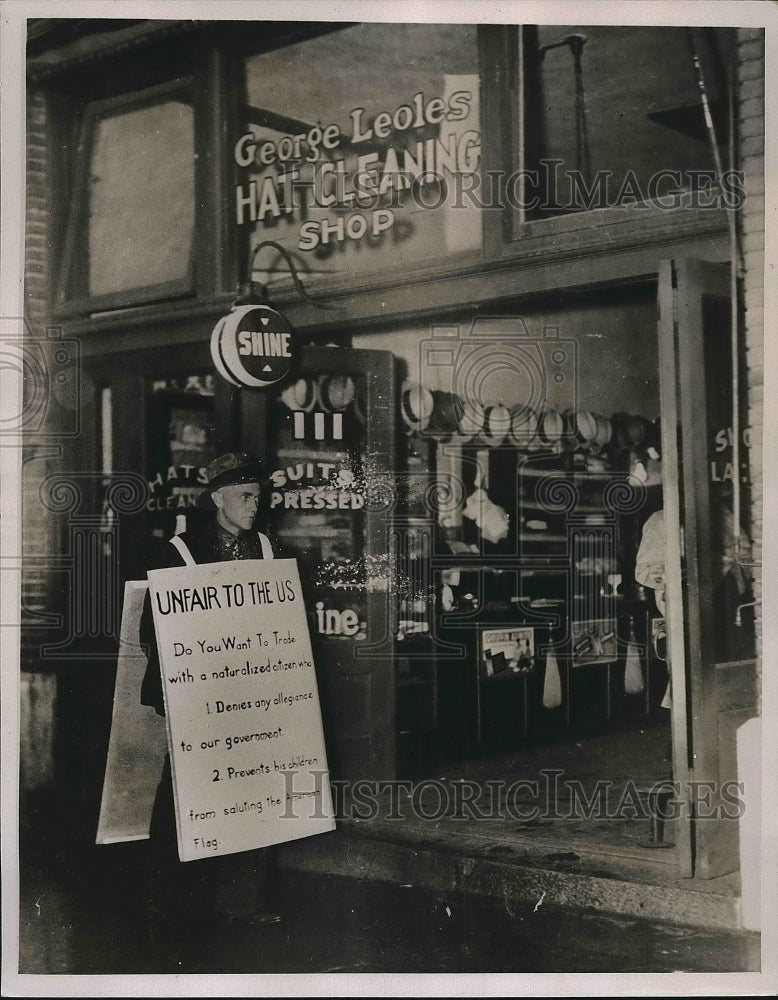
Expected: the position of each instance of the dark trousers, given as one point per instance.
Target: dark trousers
(233, 885)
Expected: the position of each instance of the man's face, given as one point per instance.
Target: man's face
(236, 506)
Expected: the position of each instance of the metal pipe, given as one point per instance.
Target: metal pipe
(739, 608)
(734, 261)
(576, 43)
(251, 292)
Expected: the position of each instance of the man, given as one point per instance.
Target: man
(234, 887)
(731, 555)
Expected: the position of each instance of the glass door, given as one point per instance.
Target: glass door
(180, 442)
(330, 449)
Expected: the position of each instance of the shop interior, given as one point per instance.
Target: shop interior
(563, 662)
(533, 547)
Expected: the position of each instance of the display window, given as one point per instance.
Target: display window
(356, 145)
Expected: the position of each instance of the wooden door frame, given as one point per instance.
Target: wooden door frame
(707, 836)
(669, 392)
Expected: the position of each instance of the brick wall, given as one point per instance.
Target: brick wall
(38, 208)
(751, 66)
(39, 687)
(37, 527)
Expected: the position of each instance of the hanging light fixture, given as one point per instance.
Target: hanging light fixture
(254, 345)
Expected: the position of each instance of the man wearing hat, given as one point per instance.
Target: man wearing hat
(233, 887)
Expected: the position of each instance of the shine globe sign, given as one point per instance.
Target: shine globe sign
(253, 346)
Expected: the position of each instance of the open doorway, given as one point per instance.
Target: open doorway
(553, 646)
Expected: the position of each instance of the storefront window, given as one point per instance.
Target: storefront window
(356, 144)
(133, 215)
(614, 116)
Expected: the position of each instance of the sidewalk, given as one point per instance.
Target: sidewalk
(520, 868)
(90, 922)
(409, 894)
(433, 837)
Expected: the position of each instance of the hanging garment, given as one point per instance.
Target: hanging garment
(633, 670)
(552, 682)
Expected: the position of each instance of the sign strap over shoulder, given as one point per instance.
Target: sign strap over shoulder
(267, 548)
(189, 560)
(177, 542)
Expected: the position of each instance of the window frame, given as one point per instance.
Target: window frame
(376, 279)
(69, 303)
(512, 234)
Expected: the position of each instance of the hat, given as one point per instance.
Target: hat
(301, 395)
(584, 427)
(337, 391)
(470, 418)
(605, 431)
(416, 405)
(551, 428)
(524, 425)
(444, 419)
(497, 424)
(228, 470)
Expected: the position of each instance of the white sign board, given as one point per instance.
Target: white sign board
(244, 722)
(137, 745)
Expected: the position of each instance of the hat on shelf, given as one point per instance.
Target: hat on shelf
(444, 419)
(303, 394)
(497, 424)
(337, 392)
(584, 427)
(416, 405)
(604, 433)
(470, 418)
(524, 426)
(551, 428)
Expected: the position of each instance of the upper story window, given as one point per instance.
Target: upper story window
(131, 227)
(614, 116)
(354, 144)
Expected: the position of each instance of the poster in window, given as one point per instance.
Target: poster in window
(507, 652)
(593, 641)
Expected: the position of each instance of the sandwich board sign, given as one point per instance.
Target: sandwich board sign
(137, 744)
(244, 723)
